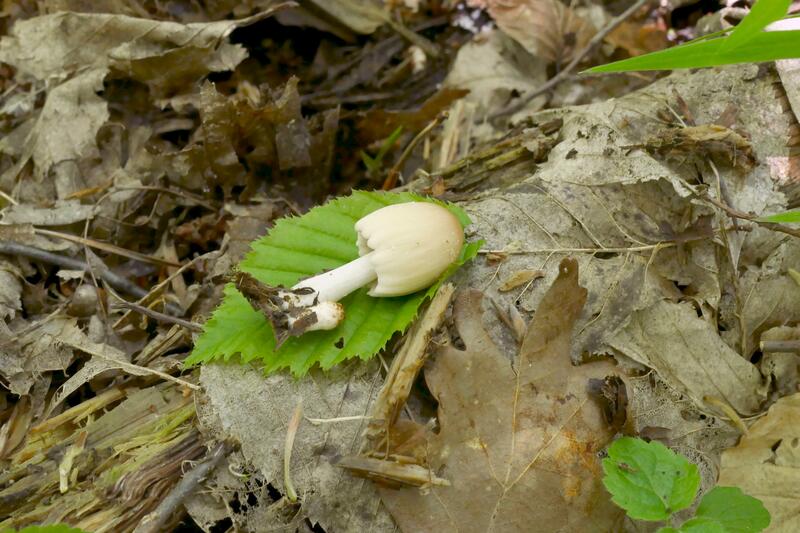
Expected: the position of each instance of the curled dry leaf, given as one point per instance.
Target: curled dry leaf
(766, 463)
(518, 278)
(545, 28)
(673, 340)
(518, 443)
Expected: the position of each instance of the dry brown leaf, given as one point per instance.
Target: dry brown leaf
(31, 349)
(518, 443)
(689, 354)
(545, 28)
(519, 277)
(766, 464)
(637, 38)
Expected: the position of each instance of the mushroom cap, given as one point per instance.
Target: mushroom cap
(410, 245)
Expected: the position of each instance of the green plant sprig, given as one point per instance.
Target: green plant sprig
(651, 482)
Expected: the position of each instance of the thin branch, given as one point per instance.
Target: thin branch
(792, 346)
(155, 521)
(161, 317)
(116, 281)
(145, 298)
(644, 248)
(110, 248)
(752, 218)
(561, 76)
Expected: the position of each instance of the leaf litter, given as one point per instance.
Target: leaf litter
(518, 442)
(151, 142)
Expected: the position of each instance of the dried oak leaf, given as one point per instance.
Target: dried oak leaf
(545, 28)
(519, 442)
(766, 463)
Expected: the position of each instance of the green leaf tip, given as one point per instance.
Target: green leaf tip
(649, 480)
(52, 528)
(298, 247)
(745, 43)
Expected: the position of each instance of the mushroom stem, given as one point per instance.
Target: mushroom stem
(334, 285)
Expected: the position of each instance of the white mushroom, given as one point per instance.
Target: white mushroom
(403, 248)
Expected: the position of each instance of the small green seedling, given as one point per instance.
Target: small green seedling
(651, 482)
(748, 42)
(374, 164)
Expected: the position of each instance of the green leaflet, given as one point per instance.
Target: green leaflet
(649, 480)
(297, 247)
(726, 510)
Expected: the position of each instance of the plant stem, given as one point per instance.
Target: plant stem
(334, 285)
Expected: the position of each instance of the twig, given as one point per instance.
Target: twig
(131, 368)
(294, 423)
(581, 250)
(147, 295)
(318, 421)
(752, 218)
(7, 198)
(792, 346)
(116, 281)
(155, 521)
(105, 247)
(391, 178)
(561, 76)
(161, 317)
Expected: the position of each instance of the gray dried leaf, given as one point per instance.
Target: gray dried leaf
(255, 410)
(33, 349)
(688, 353)
(64, 212)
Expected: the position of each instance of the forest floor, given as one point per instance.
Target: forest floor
(625, 285)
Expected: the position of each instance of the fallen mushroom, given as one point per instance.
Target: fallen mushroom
(402, 248)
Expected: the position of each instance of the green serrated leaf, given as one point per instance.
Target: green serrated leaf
(763, 46)
(792, 216)
(728, 510)
(324, 238)
(649, 480)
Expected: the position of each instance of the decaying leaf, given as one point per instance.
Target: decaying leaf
(520, 277)
(545, 28)
(703, 141)
(73, 53)
(254, 133)
(673, 340)
(657, 411)
(255, 410)
(766, 463)
(33, 349)
(518, 441)
(637, 38)
(494, 70)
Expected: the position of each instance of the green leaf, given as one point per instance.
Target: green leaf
(649, 480)
(763, 13)
(763, 46)
(788, 216)
(728, 510)
(324, 238)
